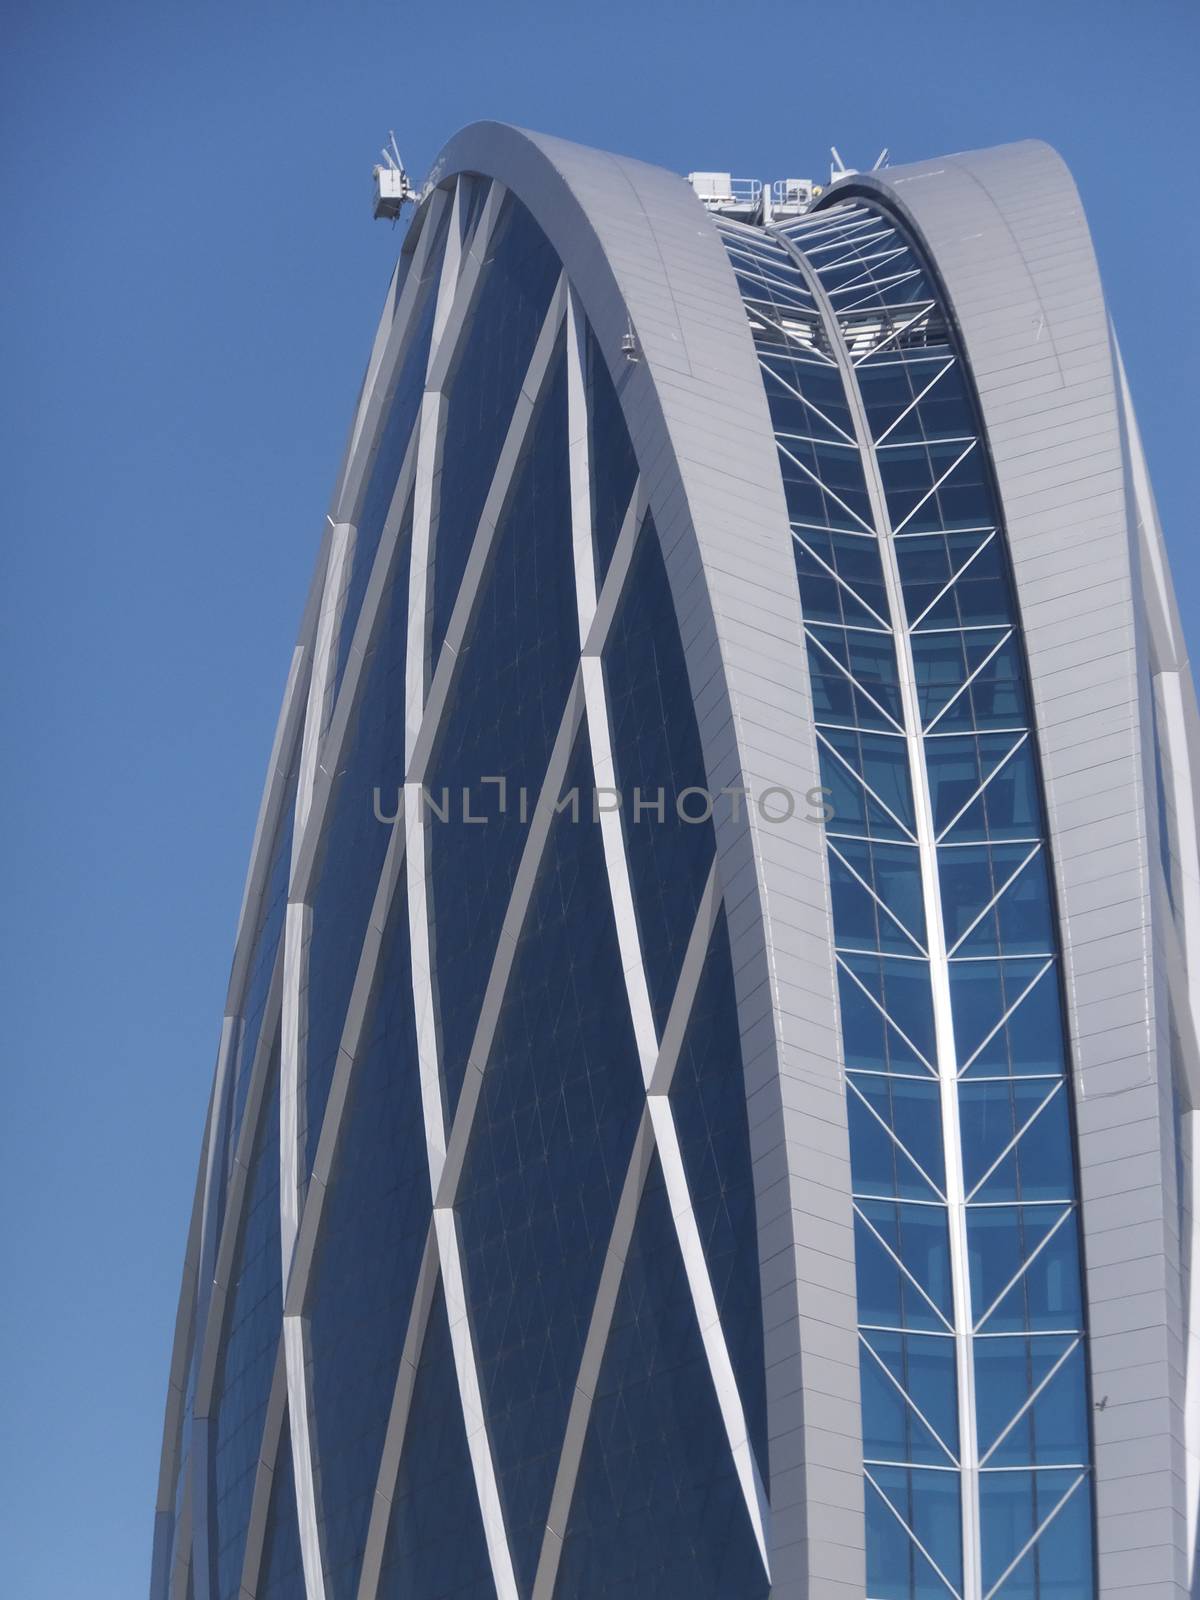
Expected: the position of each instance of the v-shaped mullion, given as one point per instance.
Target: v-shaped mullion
(999, 767)
(905, 1396)
(854, 772)
(896, 1140)
(968, 681)
(915, 401)
(1029, 1401)
(845, 583)
(1004, 887)
(1016, 1139)
(882, 904)
(935, 486)
(1024, 1267)
(846, 672)
(904, 1524)
(1029, 1544)
(932, 1304)
(992, 1032)
(949, 584)
(883, 1012)
(824, 487)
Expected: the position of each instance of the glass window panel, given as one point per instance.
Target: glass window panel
(1013, 879)
(657, 1508)
(979, 598)
(1053, 1431)
(882, 764)
(916, 1235)
(894, 873)
(656, 746)
(912, 1110)
(514, 673)
(928, 1504)
(942, 663)
(1013, 1505)
(560, 1103)
(901, 989)
(892, 1430)
(708, 1099)
(281, 1575)
(855, 559)
(925, 1367)
(435, 1541)
(1000, 1241)
(518, 281)
(1030, 1041)
(991, 1114)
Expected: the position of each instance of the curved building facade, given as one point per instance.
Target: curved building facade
(704, 1106)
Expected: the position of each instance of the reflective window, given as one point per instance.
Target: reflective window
(657, 754)
(511, 303)
(708, 1099)
(250, 1343)
(516, 668)
(657, 1507)
(435, 1546)
(373, 1230)
(281, 1575)
(560, 1103)
(354, 843)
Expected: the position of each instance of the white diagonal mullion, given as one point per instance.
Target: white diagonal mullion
(999, 767)
(992, 1032)
(579, 466)
(882, 1010)
(1029, 1544)
(764, 360)
(1025, 1265)
(903, 1523)
(933, 1306)
(969, 680)
(949, 584)
(933, 488)
(536, 841)
(712, 1334)
(471, 1396)
(1017, 1137)
(1004, 887)
(264, 1477)
(591, 1360)
(375, 1543)
(874, 294)
(824, 487)
(905, 1396)
(915, 401)
(837, 577)
(525, 412)
(896, 1140)
(1029, 1402)
(902, 327)
(854, 773)
(883, 906)
(846, 673)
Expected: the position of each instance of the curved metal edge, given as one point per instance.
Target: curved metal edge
(1006, 233)
(640, 252)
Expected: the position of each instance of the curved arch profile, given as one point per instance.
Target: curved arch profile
(710, 1038)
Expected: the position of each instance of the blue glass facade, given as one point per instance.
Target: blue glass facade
(973, 1379)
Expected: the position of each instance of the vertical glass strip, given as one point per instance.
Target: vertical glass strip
(975, 1414)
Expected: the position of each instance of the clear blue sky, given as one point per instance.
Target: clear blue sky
(190, 282)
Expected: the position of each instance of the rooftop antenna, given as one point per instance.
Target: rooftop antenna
(881, 159)
(392, 188)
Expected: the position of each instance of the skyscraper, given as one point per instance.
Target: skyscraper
(704, 1102)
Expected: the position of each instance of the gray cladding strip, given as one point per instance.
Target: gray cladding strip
(1006, 233)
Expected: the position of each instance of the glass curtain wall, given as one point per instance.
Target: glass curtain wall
(973, 1378)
